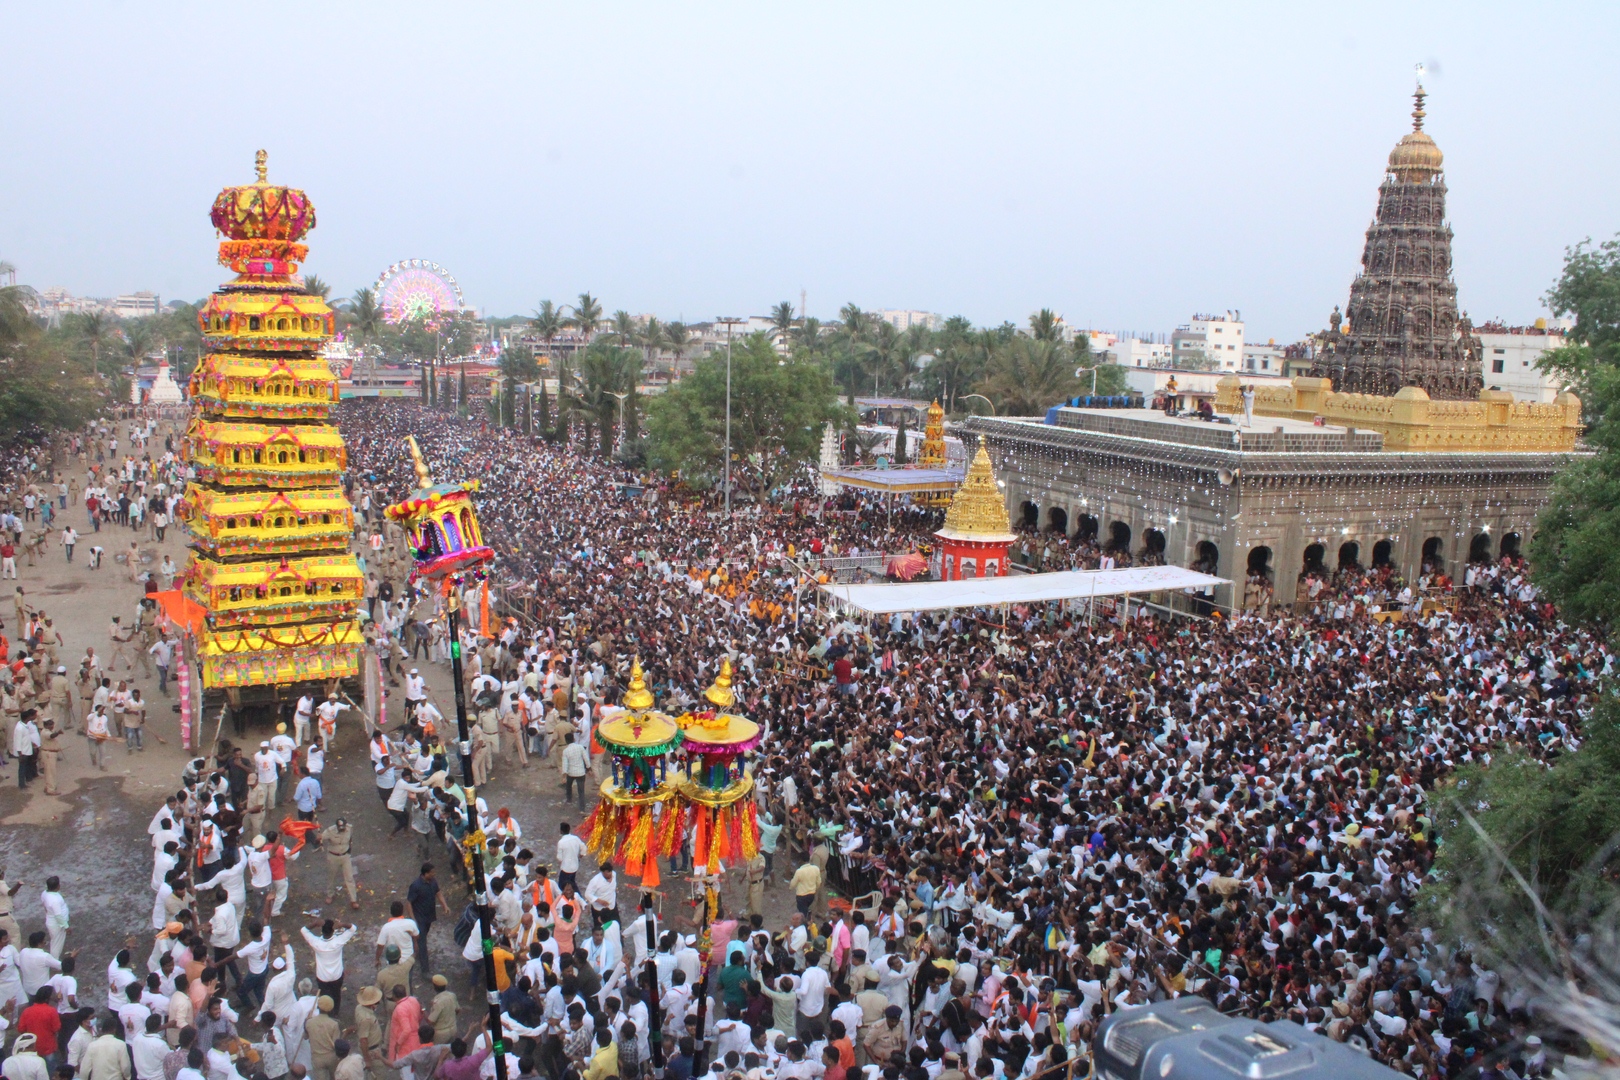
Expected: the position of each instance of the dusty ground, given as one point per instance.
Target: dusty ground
(94, 834)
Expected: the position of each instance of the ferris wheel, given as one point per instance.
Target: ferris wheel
(415, 290)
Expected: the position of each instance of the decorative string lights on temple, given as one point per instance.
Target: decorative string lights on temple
(269, 524)
(716, 787)
(633, 823)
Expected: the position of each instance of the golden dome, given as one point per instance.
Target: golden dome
(978, 511)
(720, 694)
(638, 698)
(1416, 158)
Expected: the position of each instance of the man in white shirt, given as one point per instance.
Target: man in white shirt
(328, 950)
(268, 767)
(401, 931)
(250, 990)
(282, 745)
(570, 848)
(279, 994)
(812, 992)
(35, 965)
(302, 716)
(225, 934)
(56, 915)
(602, 896)
(148, 1049)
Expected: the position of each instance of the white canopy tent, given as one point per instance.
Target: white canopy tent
(1018, 589)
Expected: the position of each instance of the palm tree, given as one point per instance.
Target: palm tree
(782, 322)
(808, 336)
(365, 317)
(624, 328)
(677, 338)
(314, 286)
(1045, 326)
(586, 318)
(139, 340)
(94, 331)
(1026, 376)
(881, 355)
(856, 321)
(547, 322)
(651, 340)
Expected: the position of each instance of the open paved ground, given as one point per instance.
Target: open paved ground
(94, 834)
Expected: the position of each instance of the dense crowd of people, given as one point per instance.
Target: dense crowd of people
(1041, 821)
(993, 833)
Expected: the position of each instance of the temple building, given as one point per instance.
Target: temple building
(1401, 326)
(270, 525)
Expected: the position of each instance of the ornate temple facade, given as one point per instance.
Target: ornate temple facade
(269, 522)
(1401, 327)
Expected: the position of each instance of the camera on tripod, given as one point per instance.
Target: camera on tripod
(1187, 1039)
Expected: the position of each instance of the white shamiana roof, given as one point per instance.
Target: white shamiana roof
(1017, 589)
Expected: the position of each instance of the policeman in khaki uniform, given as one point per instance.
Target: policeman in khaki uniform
(337, 841)
(50, 754)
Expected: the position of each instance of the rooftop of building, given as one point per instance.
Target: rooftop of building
(1268, 435)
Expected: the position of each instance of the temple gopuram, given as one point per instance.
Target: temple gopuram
(268, 519)
(1401, 327)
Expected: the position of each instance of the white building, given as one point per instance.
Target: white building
(136, 305)
(905, 320)
(1136, 353)
(1264, 359)
(1508, 356)
(1219, 337)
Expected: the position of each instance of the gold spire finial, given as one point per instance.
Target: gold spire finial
(978, 508)
(720, 694)
(1417, 107)
(261, 164)
(638, 698)
(424, 478)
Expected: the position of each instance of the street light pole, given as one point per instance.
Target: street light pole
(729, 323)
(981, 397)
(474, 841)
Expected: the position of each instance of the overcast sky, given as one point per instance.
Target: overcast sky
(1125, 164)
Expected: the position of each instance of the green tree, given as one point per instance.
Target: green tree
(547, 322)
(364, 316)
(808, 337)
(783, 321)
(1588, 289)
(41, 383)
(604, 371)
(315, 286)
(900, 444)
(1026, 376)
(778, 410)
(1529, 850)
(677, 338)
(95, 330)
(586, 317)
(16, 311)
(623, 328)
(1045, 326)
(517, 366)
